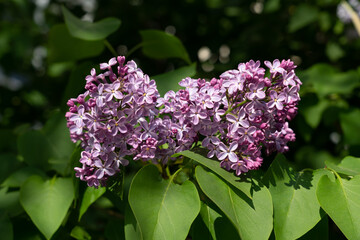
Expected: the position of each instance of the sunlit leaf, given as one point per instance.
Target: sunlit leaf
(152, 200)
(79, 233)
(244, 186)
(88, 30)
(199, 231)
(296, 209)
(340, 199)
(47, 202)
(159, 45)
(245, 214)
(320, 231)
(131, 228)
(90, 196)
(170, 80)
(349, 166)
(218, 225)
(64, 47)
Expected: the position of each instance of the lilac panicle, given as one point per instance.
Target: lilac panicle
(117, 118)
(121, 116)
(239, 114)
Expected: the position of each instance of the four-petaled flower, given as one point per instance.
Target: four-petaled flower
(228, 152)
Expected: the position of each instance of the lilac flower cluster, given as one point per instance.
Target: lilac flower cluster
(117, 117)
(238, 114)
(122, 114)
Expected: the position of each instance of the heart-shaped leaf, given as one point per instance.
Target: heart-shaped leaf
(159, 45)
(88, 30)
(340, 199)
(163, 209)
(47, 202)
(296, 209)
(245, 214)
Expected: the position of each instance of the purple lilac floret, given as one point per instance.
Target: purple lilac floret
(117, 117)
(240, 114)
(122, 116)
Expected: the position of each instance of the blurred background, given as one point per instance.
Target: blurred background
(321, 37)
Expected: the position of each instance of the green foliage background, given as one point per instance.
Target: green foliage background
(43, 63)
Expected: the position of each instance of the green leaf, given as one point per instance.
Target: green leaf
(88, 30)
(334, 51)
(8, 164)
(199, 231)
(57, 133)
(90, 196)
(350, 125)
(170, 80)
(209, 217)
(20, 176)
(9, 201)
(244, 213)
(296, 209)
(313, 113)
(271, 6)
(131, 228)
(153, 202)
(327, 80)
(304, 15)
(214, 165)
(159, 45)
(340, 199)
(47, 202)
(348, 166)
(35, 148)
(218, 225)
(64, 47)
(320, 231)
(79, 233)
(6, 227)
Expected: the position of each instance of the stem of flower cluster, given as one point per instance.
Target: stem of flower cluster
(238, 105)
(131, 51)
(111, 49)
